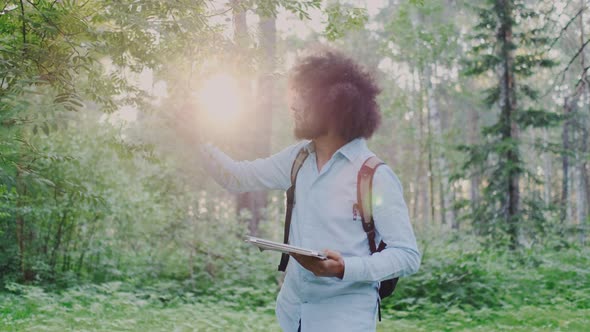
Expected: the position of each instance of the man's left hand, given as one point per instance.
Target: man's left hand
(331, 267)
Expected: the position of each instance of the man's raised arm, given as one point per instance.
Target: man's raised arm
(242, 176)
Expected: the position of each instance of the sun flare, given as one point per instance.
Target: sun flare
(220, 97)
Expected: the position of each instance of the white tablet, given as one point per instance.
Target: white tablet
(263, 244)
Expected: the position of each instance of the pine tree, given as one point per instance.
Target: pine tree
(510, 45)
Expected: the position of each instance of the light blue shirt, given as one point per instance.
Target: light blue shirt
(323, 218)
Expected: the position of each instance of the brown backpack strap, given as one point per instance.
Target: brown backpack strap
(297, 163)
(364, 194)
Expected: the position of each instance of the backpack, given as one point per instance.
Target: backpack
(363, 205)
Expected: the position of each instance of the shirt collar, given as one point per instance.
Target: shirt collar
(350, 150)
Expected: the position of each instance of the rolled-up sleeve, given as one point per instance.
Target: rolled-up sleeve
(242, 176)
(401, 256)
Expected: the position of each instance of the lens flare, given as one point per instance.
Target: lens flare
(220, 97)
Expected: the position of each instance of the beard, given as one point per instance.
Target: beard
(307, 127)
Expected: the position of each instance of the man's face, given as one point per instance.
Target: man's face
(309, 123)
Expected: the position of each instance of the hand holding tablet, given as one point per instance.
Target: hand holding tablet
(263, 244)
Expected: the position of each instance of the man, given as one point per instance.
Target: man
(333, 102)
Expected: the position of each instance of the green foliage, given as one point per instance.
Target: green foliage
(109, 226)
(124, 308)
(450, 282)
(461, 284)
(471, 277)
(424, 34)
(270, 7)
(342, 18)
(76, 187)
(501, 44)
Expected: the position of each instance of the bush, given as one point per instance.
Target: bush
(471, 277)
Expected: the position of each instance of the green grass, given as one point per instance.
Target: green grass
(109, 308)
(528, 318)
(118, 314)
(457, 289)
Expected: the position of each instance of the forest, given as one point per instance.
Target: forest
(108, 221)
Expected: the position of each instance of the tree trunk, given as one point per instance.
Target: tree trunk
(246, 203)
(584, 199)
(475, 179)
(547, 170)
(581, 208)
(430, 173)
(422, 175)
(20, 226)
(447, 213)
(417, 150)
(425, 195)
(422, 182)
(565, 139)
(581, 193)
(510, 127)
(263, 117)
(259, 122)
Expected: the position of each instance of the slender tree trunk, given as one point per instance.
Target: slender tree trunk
(428, 145)
(411, 151)
(422, 163)
(510, 126)
(447, 213)
(581, 175)
(58, 238)
(475, 179)
(584, 179)
(417, 150)
(570, 185)
(85, 246)
(565, 139)
(20, 226)
(581, 208)
(579, 185)
(422, 182)
(567, 147)
(547, 170)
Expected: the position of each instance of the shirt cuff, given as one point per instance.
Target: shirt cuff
(353, 268)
